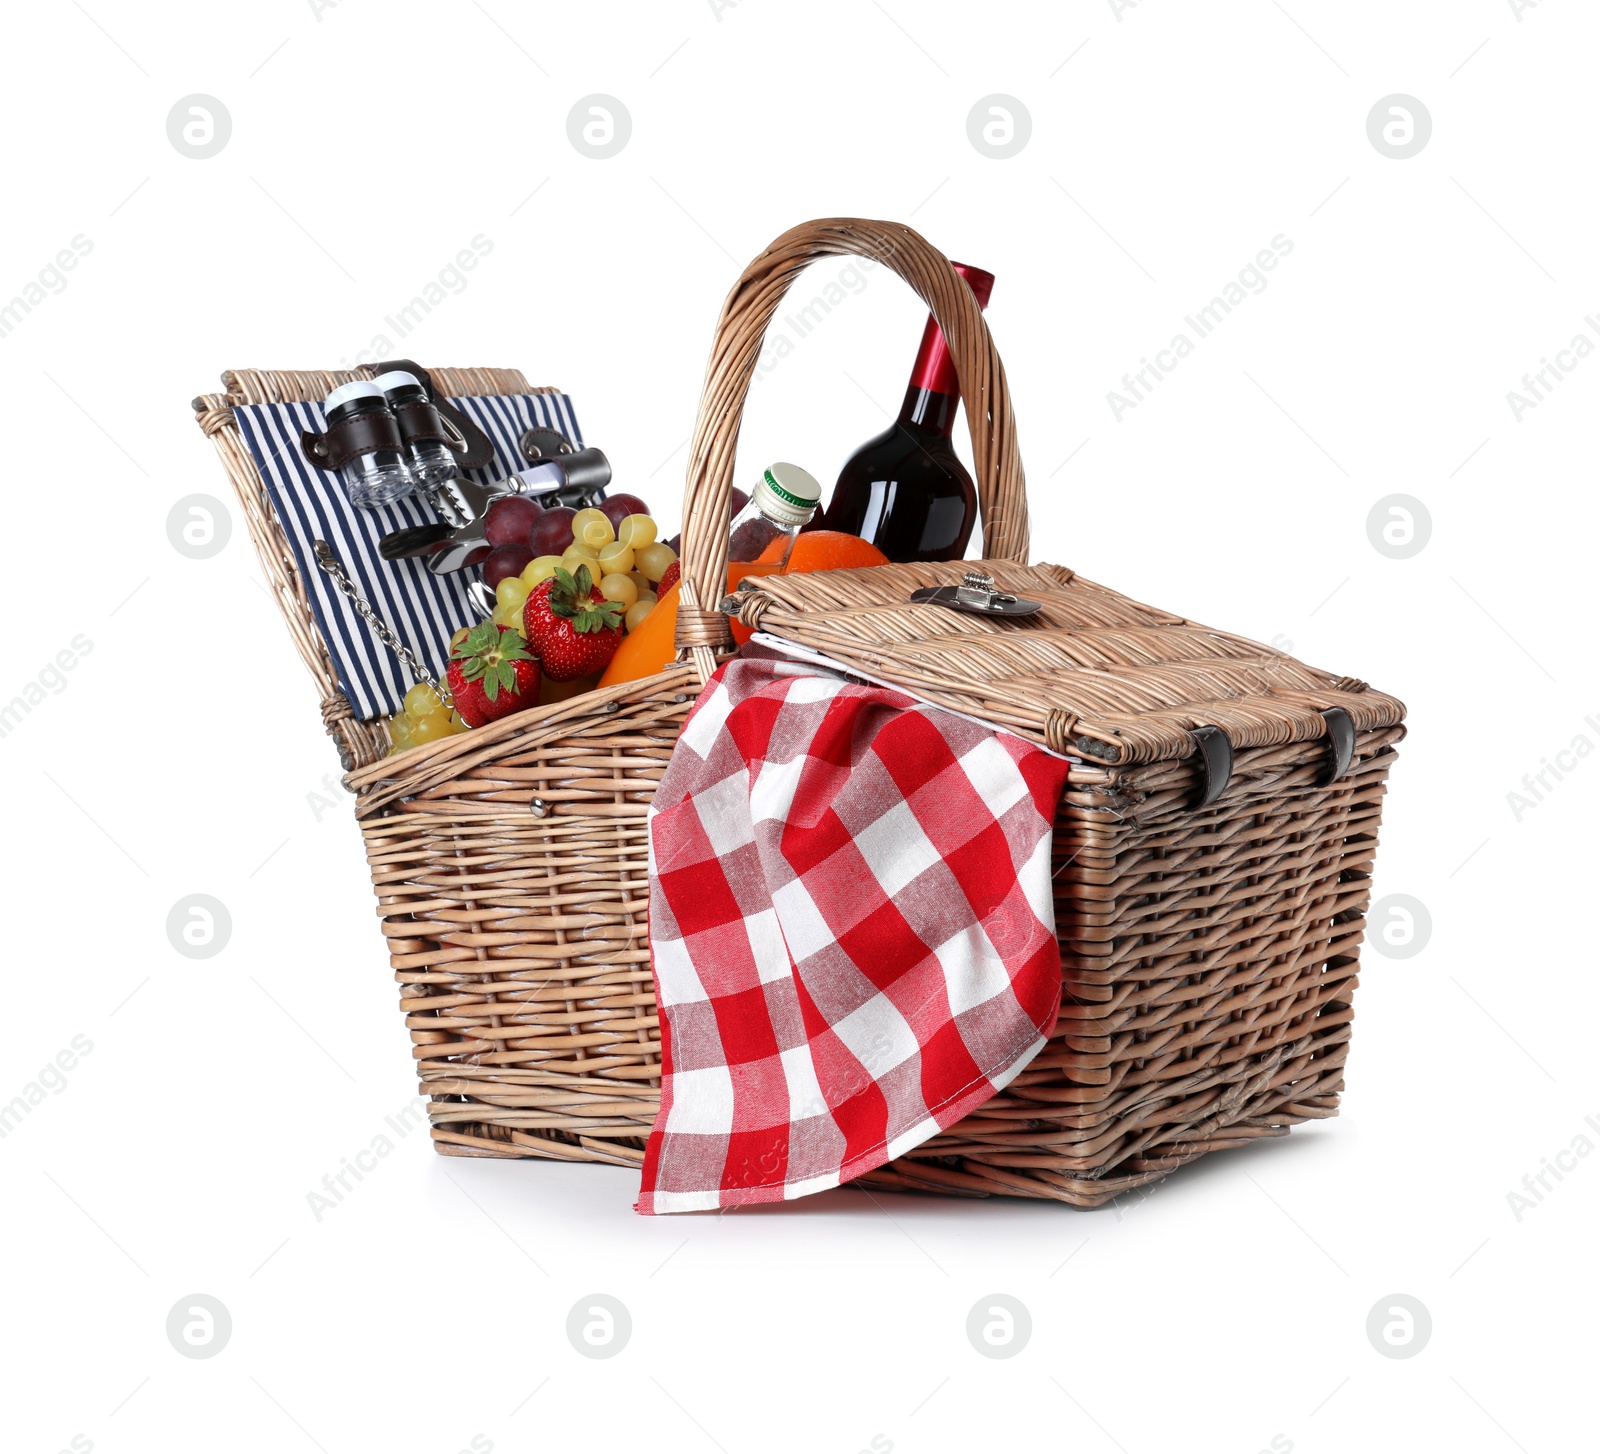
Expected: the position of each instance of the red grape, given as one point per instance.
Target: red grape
(510, 520)
(552, 531)
(617, 508)
(503, 561)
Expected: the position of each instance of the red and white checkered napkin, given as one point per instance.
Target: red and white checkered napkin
(852, 930)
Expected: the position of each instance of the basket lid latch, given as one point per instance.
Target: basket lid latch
(1216, 755)
(1341, 744)
(1216, 759)
(978, 594)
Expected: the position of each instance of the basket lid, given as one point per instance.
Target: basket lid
(1093, 673)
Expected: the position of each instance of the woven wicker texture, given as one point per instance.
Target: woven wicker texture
(1208, 956)
(511, 870)
(1093, 673)
(1208, 959)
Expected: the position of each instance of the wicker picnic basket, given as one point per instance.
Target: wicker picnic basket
(1214, 845)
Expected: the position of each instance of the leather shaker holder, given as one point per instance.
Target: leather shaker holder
(359, 434)
(420, 423)
(434, 419)
(437, 418)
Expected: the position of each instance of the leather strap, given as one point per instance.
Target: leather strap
(420, 423)
(1341, 744)
(539, 444)
(480, 449)
(1216, 760)
(359, 434)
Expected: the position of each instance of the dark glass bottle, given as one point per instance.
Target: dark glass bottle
(904, 489)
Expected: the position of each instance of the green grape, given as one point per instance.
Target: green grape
(653, 560)
(423, 701)
(430, 728)
(619, 588)
(512, 591)
(539, 569)
(616, 559)
(637, 531)
(591, 528)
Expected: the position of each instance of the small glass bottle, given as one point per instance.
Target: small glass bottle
(382, 475)
(781, 505)
(432, 461)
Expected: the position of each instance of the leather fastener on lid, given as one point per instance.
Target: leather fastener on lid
(538, 444)
(1341, 744)
(1216, 759)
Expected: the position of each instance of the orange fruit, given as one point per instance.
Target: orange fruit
(826, 550)
(649, 648)
(814, 550)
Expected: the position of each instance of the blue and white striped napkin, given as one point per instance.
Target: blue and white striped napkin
(422, 609)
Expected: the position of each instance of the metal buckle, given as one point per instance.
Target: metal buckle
(979, 590)
(979, 595)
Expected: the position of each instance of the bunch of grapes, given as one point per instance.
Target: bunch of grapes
(617, 541)
(426, 717)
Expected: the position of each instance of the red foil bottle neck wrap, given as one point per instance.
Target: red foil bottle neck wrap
(935, 370)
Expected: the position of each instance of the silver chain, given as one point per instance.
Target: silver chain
(329, 563)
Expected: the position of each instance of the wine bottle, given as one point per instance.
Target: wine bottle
(904, 489)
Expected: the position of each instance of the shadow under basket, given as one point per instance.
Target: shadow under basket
(1213, 847)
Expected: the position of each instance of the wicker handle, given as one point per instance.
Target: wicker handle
(1002, 496)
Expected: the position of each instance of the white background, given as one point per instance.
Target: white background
(183, 754)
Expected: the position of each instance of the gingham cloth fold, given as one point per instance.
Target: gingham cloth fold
(851, 927)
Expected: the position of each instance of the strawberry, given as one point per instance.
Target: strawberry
(491, 674)
(575, 630)
(669, 578)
